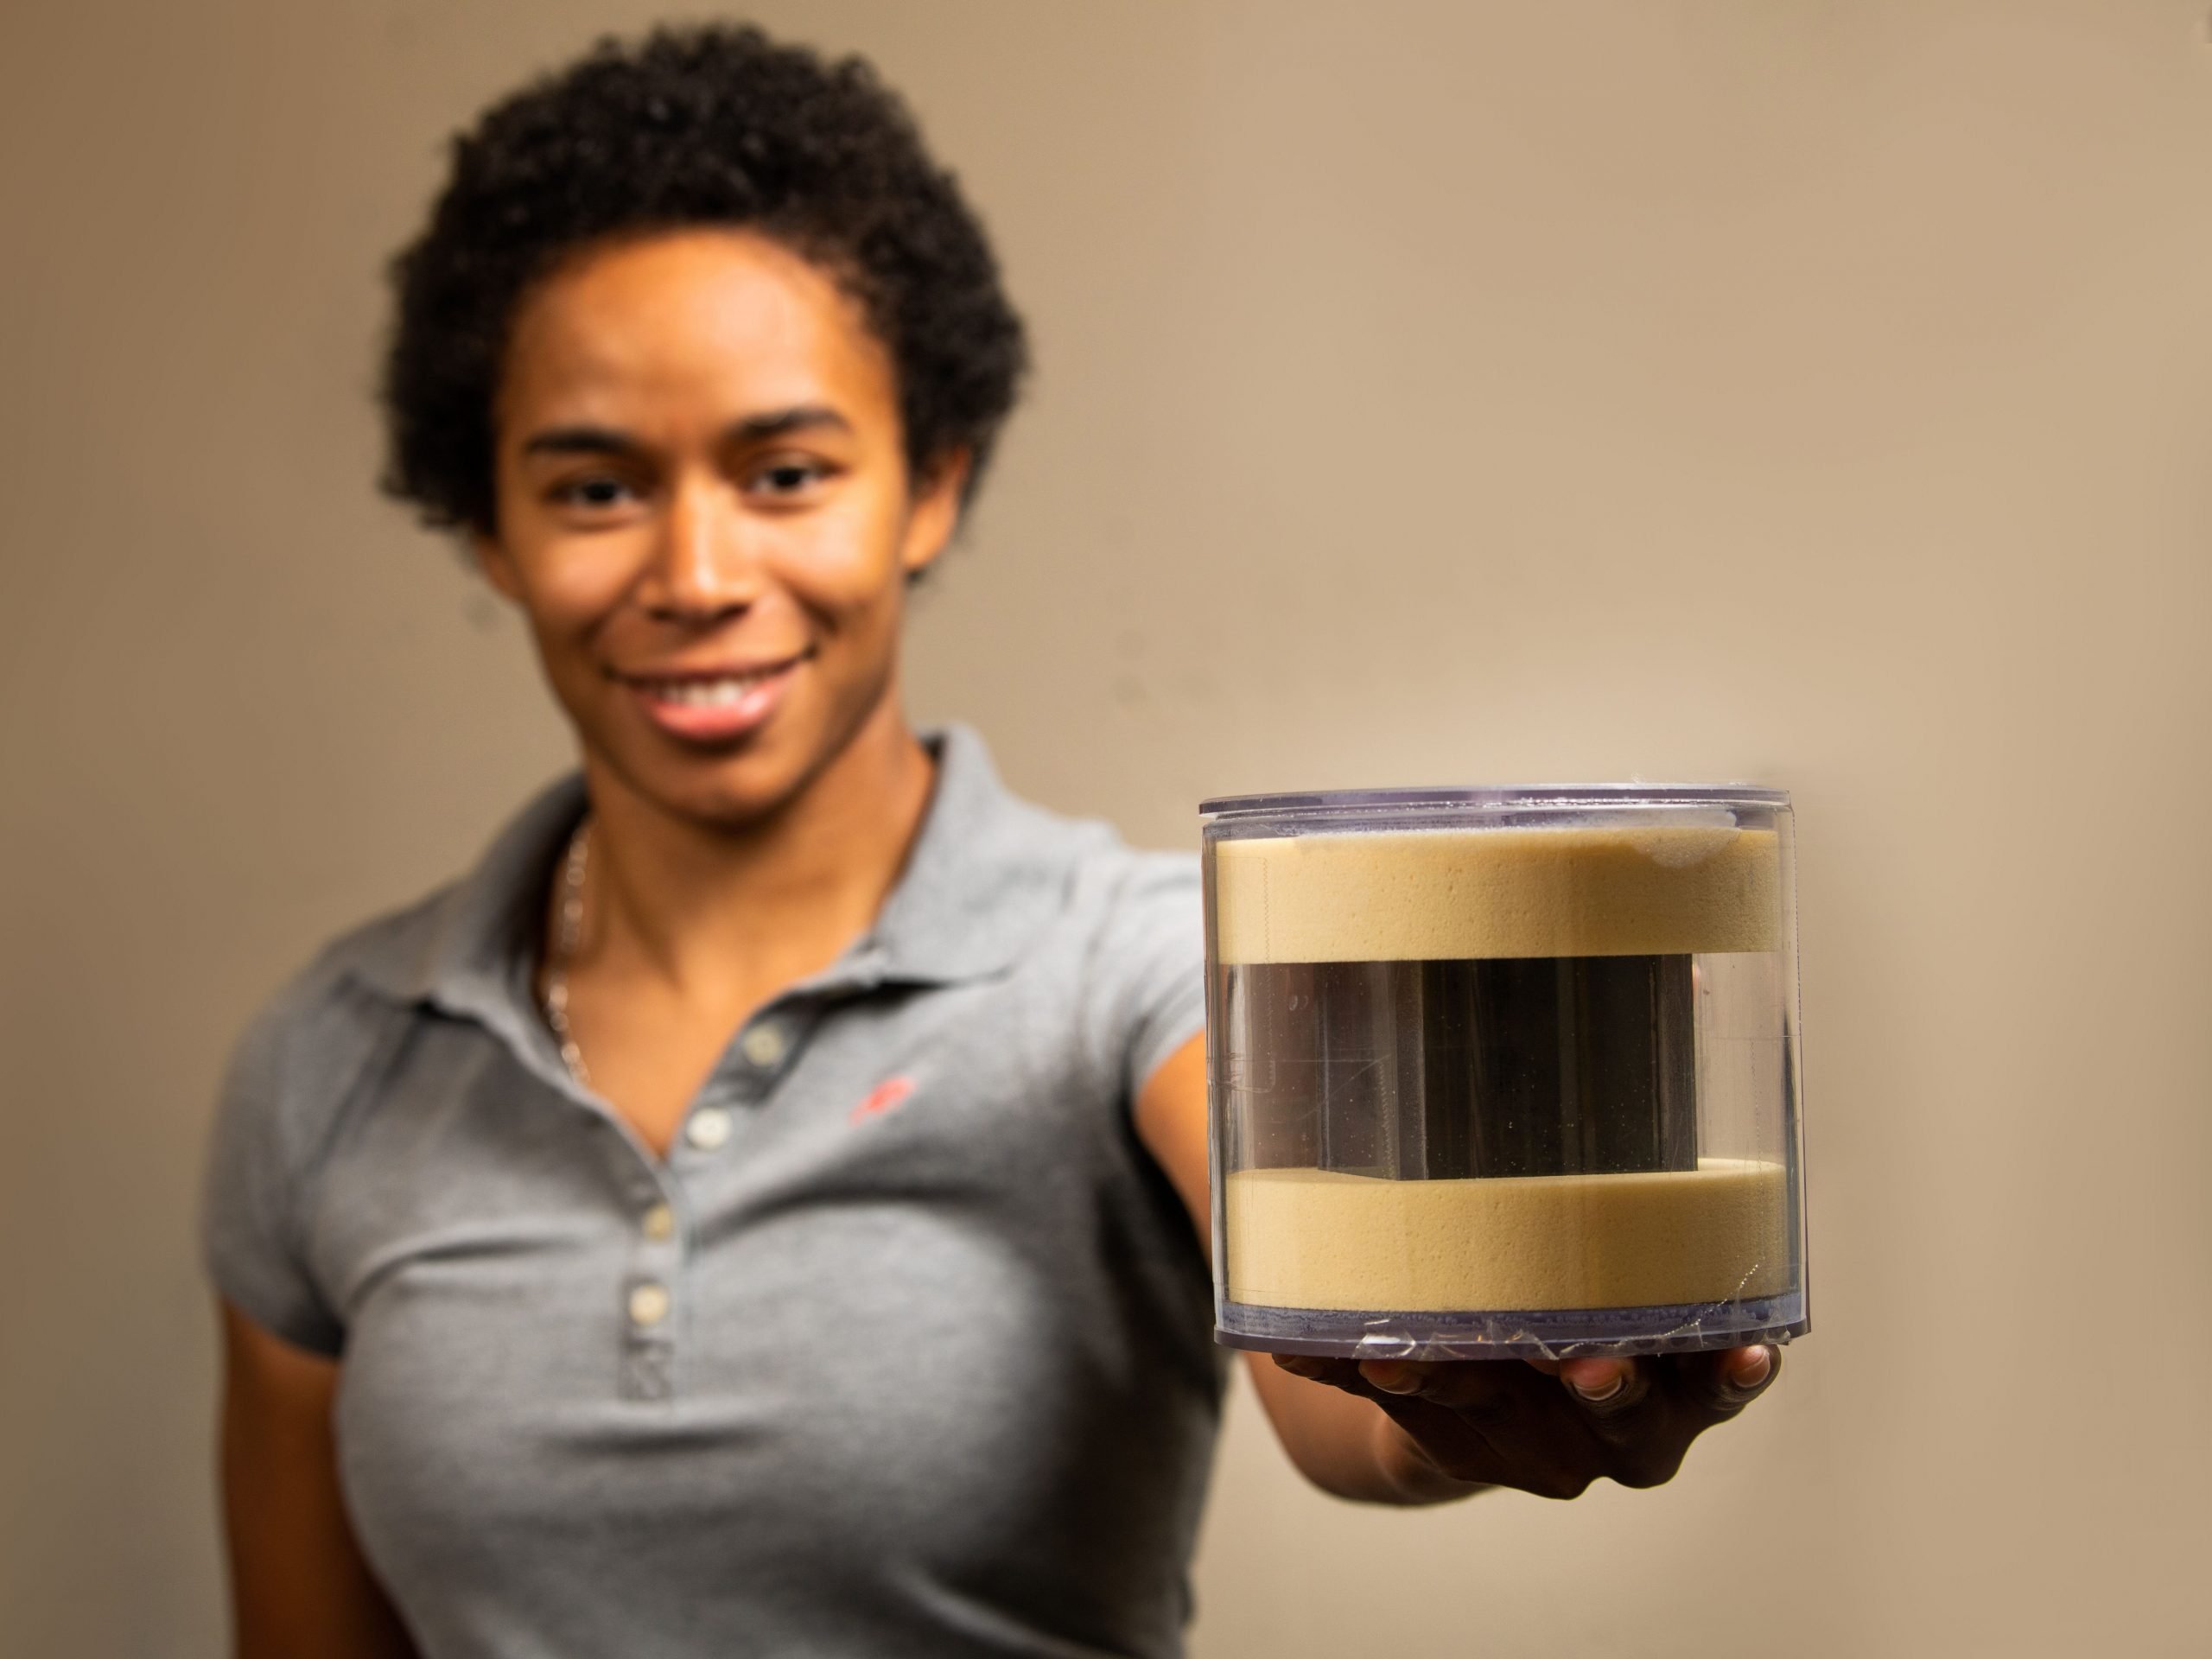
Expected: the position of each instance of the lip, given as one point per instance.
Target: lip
(715, 722)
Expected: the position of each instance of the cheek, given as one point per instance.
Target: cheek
(844, 568)
(572, 590)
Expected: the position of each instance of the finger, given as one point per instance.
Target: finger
(1484, 1391)
(1407, 1376)
(1607, 1387)
(1719, 1385)
(1647, 1425)
(1322, 1367)
(1617, 1397)
(1475, 1385)
(1634, 1413)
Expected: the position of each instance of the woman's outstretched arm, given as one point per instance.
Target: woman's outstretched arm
(300, 1588)
(1344, 1446)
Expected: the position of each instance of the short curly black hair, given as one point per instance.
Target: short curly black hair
(706, 125)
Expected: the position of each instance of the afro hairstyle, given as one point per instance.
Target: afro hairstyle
(711, 126)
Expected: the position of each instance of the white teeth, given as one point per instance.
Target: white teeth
(708, 694)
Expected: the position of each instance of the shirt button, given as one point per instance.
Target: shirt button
(763, 1046)
(648, 1304)
(708, 1128)
(658, 1223)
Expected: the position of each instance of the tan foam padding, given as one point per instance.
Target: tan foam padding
(1320, 1238)
(1416, 895)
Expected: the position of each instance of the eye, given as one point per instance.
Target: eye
(787, 478)
(592, 491)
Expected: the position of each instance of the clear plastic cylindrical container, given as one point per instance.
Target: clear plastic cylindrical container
(1504, 1071)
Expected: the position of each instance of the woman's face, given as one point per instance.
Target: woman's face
(705, 510)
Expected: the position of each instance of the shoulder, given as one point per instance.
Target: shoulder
(1135, 892)
(384, 960)
(303, 1052)
(300, 1061)
(309, 1042)
(997, 878)
(1108, 892)
(1141, 915)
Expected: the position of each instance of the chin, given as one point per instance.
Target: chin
(728, 795)
(730, 790)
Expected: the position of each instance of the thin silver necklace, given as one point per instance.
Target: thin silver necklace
(565, 940)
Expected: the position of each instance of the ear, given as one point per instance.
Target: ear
(493, 561)
(935, 511)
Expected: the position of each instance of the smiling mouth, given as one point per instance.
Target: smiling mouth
(723, 692)
(711, 690)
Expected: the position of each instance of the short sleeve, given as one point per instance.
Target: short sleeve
(1154, 961)
(252, 1242)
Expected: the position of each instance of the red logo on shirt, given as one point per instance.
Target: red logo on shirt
(886, 1096)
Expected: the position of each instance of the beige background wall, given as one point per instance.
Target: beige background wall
(1812, 392)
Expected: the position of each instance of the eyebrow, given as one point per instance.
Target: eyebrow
(753, 428)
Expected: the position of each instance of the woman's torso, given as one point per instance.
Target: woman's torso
(904, 1347)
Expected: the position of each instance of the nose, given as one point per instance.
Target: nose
(704, 568)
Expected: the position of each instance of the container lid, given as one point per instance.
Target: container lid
(1508, 796)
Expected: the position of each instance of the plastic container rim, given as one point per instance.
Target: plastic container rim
(1511, 796)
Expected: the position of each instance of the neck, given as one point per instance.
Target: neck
(726, 913)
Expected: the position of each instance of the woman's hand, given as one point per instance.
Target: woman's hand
(1544, 1425)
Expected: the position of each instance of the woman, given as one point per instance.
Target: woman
(762, 1208)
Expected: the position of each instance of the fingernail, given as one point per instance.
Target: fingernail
(1754, 1370)
(1388, 1376)
(1598, 1396)
(1299, 1365)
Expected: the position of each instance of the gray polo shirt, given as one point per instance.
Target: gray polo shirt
(905, 1348)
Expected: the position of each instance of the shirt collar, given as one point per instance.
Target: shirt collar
(986, 874)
